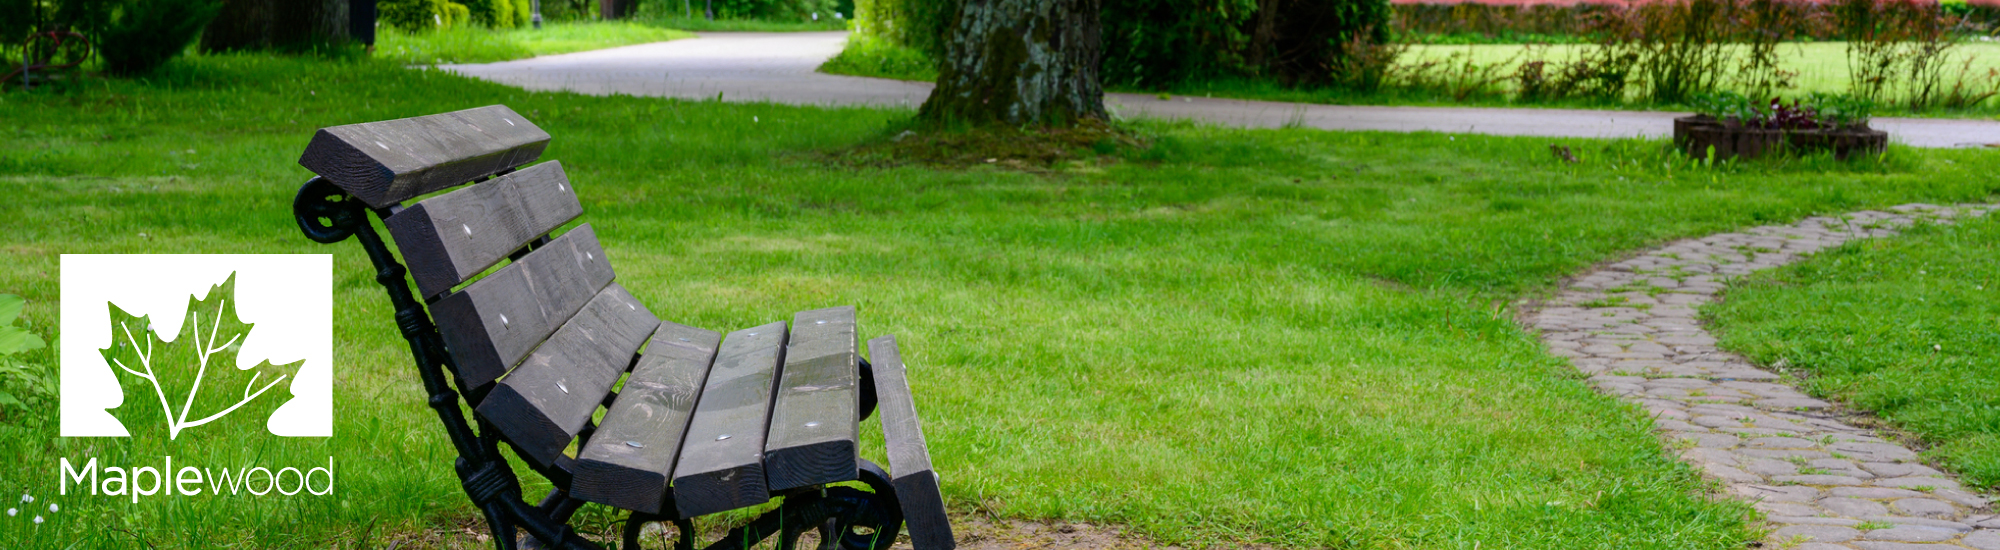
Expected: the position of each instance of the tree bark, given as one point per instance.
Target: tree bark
(616, 9)
(266, 24)
(1020, 62)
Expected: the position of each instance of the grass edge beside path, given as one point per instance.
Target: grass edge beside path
(481, 45)
(1907, 327)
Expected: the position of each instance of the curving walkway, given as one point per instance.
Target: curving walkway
(1824, 484)
(782, 67)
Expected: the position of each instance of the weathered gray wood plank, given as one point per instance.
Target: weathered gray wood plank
(447, 239)
(387, 162)
(721, 461)
(628, 463)
(542, 404)
(494, 322)
(909, 459)
(814, 423)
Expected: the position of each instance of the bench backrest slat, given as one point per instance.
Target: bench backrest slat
(449, 238)
(541, 405)
(909, 459)
(494, 322)
(628, 463)
(387, 162)
(721, 467)
(814, 417)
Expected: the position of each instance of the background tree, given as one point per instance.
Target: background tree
(1018, 63)
(283, 24)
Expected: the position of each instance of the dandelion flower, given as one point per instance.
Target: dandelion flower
(11, 512)
(38, 520)
(52, 508)
(27, 497)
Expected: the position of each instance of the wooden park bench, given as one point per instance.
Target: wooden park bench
(699, 422)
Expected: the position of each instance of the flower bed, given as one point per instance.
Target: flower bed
(1698, 134)
(1731, 126)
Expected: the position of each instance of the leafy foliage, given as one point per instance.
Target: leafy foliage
(919, 24)
(133, 37)
(15, 339)
(21, 385)
(143, 34)
(1162, 43)
(871, 55)
(424, 15)
(782, 10)
(500, 14)
(155, 374)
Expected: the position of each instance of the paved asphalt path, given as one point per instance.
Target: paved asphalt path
(779, 67)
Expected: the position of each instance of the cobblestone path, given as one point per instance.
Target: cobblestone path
(1824, 484)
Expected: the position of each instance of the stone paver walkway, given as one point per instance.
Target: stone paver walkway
(782, 67)
(1824, 484)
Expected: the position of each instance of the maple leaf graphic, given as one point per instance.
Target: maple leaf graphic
(195, 372)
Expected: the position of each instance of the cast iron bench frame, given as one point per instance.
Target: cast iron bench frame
(486, 150)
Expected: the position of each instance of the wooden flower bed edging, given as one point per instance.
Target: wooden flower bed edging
(1696, 134)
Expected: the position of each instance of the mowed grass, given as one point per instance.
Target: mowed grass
(1293, 337)
(481, 45)
(1907, 327)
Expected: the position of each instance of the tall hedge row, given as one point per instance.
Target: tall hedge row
(1160, 43)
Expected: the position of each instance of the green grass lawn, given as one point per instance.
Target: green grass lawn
(1821, 67)
(1907, 327)
(1294, 337)
(481, 45)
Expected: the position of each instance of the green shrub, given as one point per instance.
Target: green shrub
(423, 15)
(781, 10)
(1160, 43)
(137, 36)
(17, 19)
(498, 14)
(524, 13)
(878, 57)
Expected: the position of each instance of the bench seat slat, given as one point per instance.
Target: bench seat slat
(387, 162)
(628, 462)
(909, 459)
(814, 420)
(721, 464)
(449, 238)
(494, 322)
(541, 405)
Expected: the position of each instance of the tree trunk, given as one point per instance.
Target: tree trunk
(266, 24)
(1264, 33)
(616, 9)
(1020, 62)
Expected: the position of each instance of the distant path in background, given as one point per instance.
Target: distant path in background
(780, 67)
